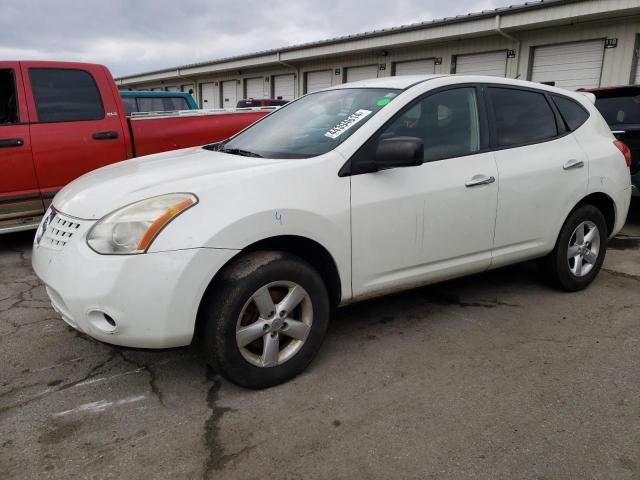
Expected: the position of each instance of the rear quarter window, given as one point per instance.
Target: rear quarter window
(572, 112)
(65, 95)
(521, 116)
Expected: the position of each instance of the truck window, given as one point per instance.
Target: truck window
(65, 95)
(130, 104)
(161, 104)
(8, 98)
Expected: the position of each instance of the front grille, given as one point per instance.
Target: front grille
(59, 232)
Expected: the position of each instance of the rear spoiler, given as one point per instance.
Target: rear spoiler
(589, 95)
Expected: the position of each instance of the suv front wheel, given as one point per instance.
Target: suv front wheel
(266, 319)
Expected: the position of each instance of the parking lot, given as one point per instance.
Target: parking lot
(491, 376)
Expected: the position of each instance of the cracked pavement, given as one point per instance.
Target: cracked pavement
(494, 376)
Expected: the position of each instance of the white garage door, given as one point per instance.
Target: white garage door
(362, 73)
(318, 80)
(254, 88)
(493, 63)
(283, 87)
(229, 94)
(416, 67)
(570, 66)
(210, 95)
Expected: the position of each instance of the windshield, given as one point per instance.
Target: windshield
(311, 126)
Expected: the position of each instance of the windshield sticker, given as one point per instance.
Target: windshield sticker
(383, 102)
(347, 123)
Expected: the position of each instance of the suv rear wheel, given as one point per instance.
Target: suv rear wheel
(265, 319)
(580, 250)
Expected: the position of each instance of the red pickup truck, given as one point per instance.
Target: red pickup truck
(59, 120)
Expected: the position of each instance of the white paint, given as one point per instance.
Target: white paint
(100, 406)
(105, 379)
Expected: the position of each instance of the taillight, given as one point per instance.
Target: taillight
(624, 150)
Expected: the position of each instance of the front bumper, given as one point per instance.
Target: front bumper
(146, 301)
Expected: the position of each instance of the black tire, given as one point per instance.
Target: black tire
(555, 266)
(236, 284)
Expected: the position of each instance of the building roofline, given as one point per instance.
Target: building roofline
(372, 34)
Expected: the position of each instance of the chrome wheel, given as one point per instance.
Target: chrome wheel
(584, 247)
(274, 324)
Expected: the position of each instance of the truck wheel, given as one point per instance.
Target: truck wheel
(265, 319)
(579, 252)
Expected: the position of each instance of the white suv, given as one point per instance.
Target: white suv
(344, 194)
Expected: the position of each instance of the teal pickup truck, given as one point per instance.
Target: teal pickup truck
(152, 101)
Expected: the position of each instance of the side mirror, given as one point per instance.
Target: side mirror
(399, 152)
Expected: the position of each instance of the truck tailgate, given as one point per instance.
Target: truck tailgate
(155, 134)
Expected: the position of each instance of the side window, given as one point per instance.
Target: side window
(447, 122)
(130, 104)
(8, 98)
(573, 114)
(175, 103)
(521, 116)
(65, 95)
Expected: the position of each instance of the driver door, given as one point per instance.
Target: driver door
(415, 225)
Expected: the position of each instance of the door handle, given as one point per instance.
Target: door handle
(105, 135)
(479, 180)
(11, 142)
(571, 164)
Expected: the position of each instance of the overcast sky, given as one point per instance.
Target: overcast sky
(133, 36)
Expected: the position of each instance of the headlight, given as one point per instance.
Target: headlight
(132, 229)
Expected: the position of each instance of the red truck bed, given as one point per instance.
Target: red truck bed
(153, 133)
(60, 120)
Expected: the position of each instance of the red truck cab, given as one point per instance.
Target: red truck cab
(59, 120)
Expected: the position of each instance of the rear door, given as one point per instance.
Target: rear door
(75, 122)
(542, 169)
(20, 200)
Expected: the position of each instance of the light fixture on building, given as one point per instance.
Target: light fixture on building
(337, 71)
(437, 61)
(611, 43)
(511, 54)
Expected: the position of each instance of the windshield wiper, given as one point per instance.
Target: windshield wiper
(239, 151)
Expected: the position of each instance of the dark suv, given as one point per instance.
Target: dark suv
(620, 107)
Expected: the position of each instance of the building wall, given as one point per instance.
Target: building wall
(618, 65)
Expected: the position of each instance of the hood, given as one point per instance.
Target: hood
(190, 170)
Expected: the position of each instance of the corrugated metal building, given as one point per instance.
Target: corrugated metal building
(567, 43)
